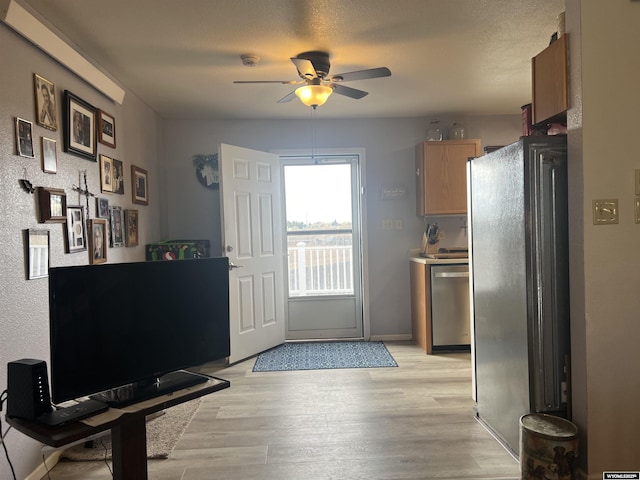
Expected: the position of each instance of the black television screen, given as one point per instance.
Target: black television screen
(116, 324)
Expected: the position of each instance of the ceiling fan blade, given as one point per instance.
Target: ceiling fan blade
(348, 91)
(283, 82)
(362, 74)
(305, 68)
(287, 98)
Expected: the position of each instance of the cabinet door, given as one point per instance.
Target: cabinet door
(442, 189)
(549, 79)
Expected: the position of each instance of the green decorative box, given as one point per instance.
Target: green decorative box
(177, 250)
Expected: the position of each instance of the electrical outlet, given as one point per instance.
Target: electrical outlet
(605, 211)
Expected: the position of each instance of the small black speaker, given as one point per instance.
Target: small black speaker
(27, 389)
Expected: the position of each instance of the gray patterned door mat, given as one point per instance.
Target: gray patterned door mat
(324, 355)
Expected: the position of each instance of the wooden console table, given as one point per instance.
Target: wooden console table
(127, 425)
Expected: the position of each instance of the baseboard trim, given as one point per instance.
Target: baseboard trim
(391, 338)
(41, 470)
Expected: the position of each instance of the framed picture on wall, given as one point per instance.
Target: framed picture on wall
(97, 240)
(49, 156)
(52, 205)
(102, 207)
(117, 226)
(79, 127)
(106, 173)
(118, 177)
(106, 129)
(24, 138)
(131, 227)
(139, 186)
(75, 234)
(46, 106)
(37, 253)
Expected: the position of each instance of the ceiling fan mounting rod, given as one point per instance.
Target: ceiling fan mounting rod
(319, 60)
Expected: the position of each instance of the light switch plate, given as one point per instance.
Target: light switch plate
(637, 210)
(605, 212)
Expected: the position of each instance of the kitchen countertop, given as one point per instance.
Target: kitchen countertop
(414, 256)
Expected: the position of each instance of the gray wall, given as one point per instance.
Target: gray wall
(603, 130)
(193, 211)
(24, 317)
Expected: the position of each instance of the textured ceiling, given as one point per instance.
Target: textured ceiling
(181, 57)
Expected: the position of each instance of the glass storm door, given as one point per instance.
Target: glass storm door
(322, 205)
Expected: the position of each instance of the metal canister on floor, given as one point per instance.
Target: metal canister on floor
(548, 447)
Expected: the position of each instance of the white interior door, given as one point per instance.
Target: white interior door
(252, 239)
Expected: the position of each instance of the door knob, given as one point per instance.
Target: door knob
(233, 265)
(229, 248)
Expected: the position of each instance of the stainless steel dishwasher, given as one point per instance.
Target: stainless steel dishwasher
(450, 322)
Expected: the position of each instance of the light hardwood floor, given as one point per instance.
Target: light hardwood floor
(411, 422)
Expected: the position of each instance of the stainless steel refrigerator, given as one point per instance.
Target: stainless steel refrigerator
(520, 282)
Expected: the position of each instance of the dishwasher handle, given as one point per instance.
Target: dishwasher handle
(451, 274)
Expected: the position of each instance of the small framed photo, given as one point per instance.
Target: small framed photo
(24, 138)
(117, 226)
(79, 127)
(97, 240)
(75, 234)
(117, 177)
(131, 227)
(46, 107)
(106, 173)
(52, 205)
(49, 155)
(37, 253)
(139, 185)
(106, 129)
(102, 207)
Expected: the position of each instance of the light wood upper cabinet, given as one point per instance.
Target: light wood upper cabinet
(441, 176)
(550, 85)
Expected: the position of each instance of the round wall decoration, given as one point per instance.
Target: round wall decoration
(207, 171)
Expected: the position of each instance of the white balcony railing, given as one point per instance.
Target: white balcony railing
(326, 270)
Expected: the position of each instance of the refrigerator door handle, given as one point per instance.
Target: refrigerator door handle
(550, 315)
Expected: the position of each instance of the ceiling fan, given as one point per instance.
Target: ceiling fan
(313, 69)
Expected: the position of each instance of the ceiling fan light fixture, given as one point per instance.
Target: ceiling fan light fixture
(314, 95)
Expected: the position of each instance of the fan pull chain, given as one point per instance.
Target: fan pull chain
(313, 135)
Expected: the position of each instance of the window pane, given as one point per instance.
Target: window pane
(319, 236)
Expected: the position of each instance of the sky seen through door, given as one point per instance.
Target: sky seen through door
(318, 193)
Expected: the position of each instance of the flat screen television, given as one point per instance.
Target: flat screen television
(127, 331)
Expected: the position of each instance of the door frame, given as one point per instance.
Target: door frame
(360, 152)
